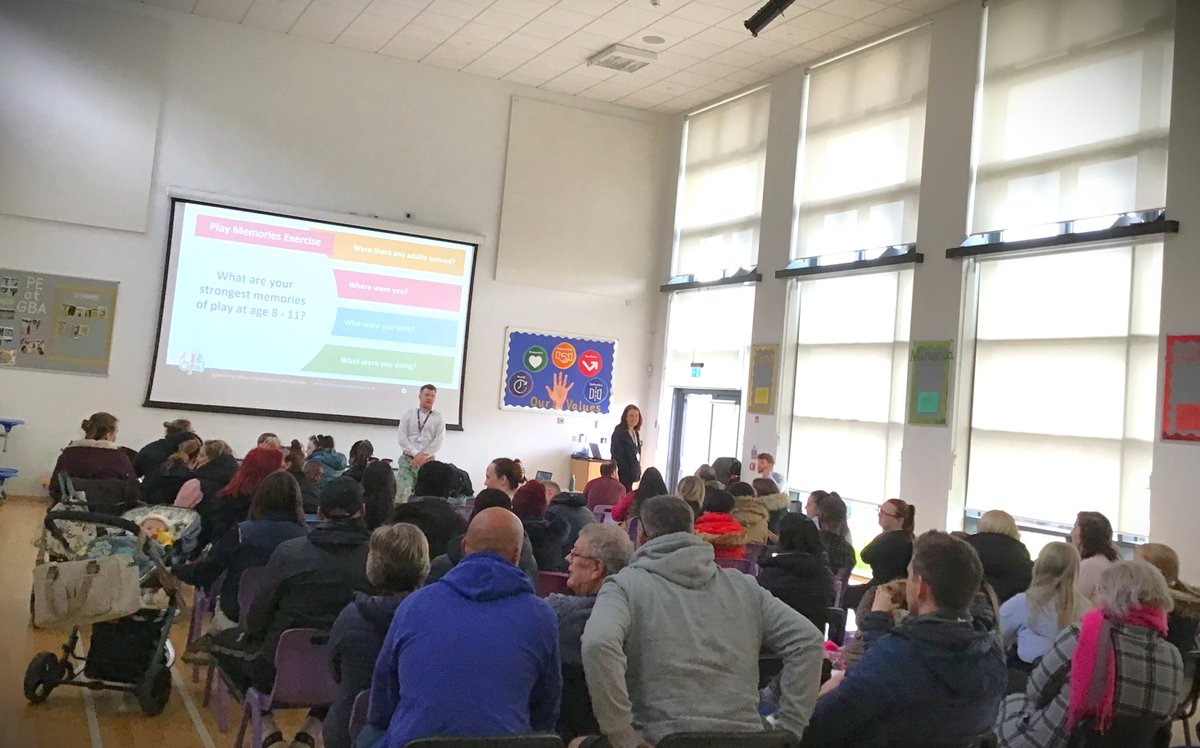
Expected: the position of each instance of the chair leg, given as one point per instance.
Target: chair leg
(222, 706)
(241, 733)
(256, 726)
(208, 682)
(1187, 733)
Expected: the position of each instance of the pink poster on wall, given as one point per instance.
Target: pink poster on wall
(1181, 395)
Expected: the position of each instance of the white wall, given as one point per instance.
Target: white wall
(267, 117)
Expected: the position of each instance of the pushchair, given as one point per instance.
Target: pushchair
(129, 650)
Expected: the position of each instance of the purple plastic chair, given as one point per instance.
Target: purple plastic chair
(744, 565)
(756, 551)
(550, 582)
(358, 714)
(603, 513)
(632, 526)
(248, 586)
(303, 679)
(204, 604)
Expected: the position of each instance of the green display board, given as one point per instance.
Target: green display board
(56, 322)
(929, 381)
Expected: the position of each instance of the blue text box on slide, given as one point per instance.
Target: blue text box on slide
(401, 328)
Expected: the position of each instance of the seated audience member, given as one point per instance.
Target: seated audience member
(691, 489)
(547, 533)
(217, 467)
(1114, 663)
(1184, 619)
(233, 501)
(275, 516)
(571, 508)
(1092, 536)
(599, 552)
(1005, 559)
(333, 463)
(706, 473)
(934, 676)
(658, 649)
(651, 485)
(379, 493)
(294, 459)
(605, 490)
(797, 574)
(717, 526)
(775, 499)
(305, 584)
(751, 513)
(163, 484)
(728, 470)
(890, 551)
(1030, 621)
(397, 563)
(764, 466)
(362, 453)
(444, 670)
(504, 474)
(453, 550)
(812, 505)
(269, 439)
(97, 457)
(154, 454)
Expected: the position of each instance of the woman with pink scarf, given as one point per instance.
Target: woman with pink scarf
(1114, 663)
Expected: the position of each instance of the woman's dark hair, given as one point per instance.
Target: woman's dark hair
(294, 456)
(489, 498)
(765, 486)
(99, 425)
(719, 501)
(435, 479)
(1095, 536)
(323, 441)
(741, 488)
(278, 492)
(187, 451)
(905, 512)
(177, 426)
(379, 493)
(651, 485)
(509, 470)
(361, 453)
(831, 510)
(625, 416)
(799, 534)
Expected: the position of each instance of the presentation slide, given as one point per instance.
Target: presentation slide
(285, 315)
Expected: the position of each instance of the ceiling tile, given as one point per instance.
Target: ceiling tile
(713, 69)
(392, 9)
(480, 30)
(358, 6)
(924, 6)
(555, 66)
(267, 14)
(637, 16)
(418, 32)
(490, 68)
(724, 86)
(566, 18)
(529, 77)
(369, 32)
(455, 58)
(464, 45)
(587, 41)
(732, 5)
(860, 30)
(675, 61)
(676, 26)
(567, 52)
(747, 76)
(688, 78)
(722, 37)
(818, 21)
(543, 30)
(224, 10)
(439, 21)
(523, 8)
(408, 49)
(856, 9)
(505, 52)
(669, 40)
(529, 42)
(501, 20)
(828, 44)
(698, 49)
(182, 5)
(644, 99)
(890, 18)
(789, 34)
(763, 47)
(702, 13)
(738, 58)
(592, 8)
(800, 55)
(323, 21)
(773, 67)
(453, 9)
(664, 7)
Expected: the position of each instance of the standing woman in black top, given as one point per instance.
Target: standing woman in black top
(890, 551)
(627, 447)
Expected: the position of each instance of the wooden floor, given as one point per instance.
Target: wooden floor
(73, 717)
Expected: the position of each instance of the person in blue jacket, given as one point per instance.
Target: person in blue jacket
(936, 676)
(473, 654)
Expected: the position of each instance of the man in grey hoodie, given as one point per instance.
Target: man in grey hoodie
(673, 641)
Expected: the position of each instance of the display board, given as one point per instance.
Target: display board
(929, 381)
(1181, 393)
(551, 371)
(56, 322)
(303, 316)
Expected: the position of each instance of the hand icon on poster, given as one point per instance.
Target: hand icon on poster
(558, 393)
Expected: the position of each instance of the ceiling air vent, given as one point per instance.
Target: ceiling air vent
(625, 59)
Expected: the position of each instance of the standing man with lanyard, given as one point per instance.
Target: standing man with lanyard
(420, 436)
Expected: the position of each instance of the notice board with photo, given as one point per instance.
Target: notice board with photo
(56, 322)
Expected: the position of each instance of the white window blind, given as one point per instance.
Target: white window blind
(851, 372)
(1062, 414)
(711, 327)
(864, 132)
(1074, 110)
(720, 189)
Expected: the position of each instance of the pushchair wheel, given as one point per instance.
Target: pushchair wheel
(45, 671)
(154, 691)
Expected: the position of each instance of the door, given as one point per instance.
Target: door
(705, 425)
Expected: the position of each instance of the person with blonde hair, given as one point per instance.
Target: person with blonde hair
(691, 489)
(1006, 563)
(1031, 620)
(1183, 623)
(1114, 663)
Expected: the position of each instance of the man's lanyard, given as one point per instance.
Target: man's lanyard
(420, 423)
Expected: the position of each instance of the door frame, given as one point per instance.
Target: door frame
(678, 395)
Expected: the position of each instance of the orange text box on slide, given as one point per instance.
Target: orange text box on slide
(398, 254)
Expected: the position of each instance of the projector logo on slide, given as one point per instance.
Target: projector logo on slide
(536, 358)
(590, 363)
(564, 355)
(191, 362)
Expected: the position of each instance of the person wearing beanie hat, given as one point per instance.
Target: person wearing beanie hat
(306, 583)
(547, 533)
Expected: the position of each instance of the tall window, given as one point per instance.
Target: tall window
(1074, 110)
(863, 138)
(709, 327)
(720, 189)
(1062, 418)
(851, 372)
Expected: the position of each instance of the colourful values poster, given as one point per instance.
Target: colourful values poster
(549, 371)
(1181, 394)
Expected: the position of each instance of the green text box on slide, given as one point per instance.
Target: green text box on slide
(365, 362)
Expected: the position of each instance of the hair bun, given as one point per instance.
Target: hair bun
(167, 424)
(519, 469)
(86, 425)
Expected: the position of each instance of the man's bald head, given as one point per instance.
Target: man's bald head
(497, 530)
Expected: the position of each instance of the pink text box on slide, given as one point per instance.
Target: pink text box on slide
(389, 289)
(247, 232)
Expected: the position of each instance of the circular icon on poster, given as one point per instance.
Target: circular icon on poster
(596, 391)
(536, 358)
(564, 355)
(520, 384)
(590, 363)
